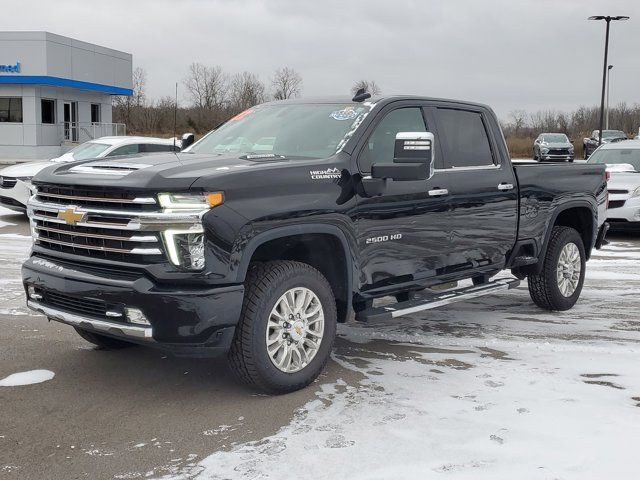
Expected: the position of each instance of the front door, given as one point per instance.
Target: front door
(483, 193)
(402, 233)
(70, 119)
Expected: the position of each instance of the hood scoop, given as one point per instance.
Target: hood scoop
(108, 168)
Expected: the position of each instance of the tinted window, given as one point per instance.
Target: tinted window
(379, 147)
(10, 109)
(95, 113)
(463, 138)
(48, 108)
(155, 147)
(125, 150)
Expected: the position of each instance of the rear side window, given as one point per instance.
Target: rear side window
(379, 147)
(125, 150)
(463, 138)
(156, 147)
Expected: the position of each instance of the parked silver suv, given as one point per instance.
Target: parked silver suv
(553, 147)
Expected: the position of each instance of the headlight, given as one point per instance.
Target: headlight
(636, 193)
(571, 148)
(189, 201)
(544, 150)
(185, 247)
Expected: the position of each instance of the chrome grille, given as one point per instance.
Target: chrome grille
(96, 198)
(8, 182)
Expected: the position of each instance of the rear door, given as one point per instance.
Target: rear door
(402, 233)
(483, 194)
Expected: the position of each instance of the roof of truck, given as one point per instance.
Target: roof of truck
(375, 99)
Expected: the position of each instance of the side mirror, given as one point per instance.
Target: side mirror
(188, 139)
(412, 158)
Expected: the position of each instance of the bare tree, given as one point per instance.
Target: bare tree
(369, 86)
(287, 83)
(246, 90)
(207, 86)
(518, 121)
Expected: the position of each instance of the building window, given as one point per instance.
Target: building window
(48, 111)
(11, 109)
(95, 113)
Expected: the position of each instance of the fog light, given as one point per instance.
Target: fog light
(136, 316)
(33, 295)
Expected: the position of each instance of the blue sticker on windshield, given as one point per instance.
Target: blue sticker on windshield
(347, 114)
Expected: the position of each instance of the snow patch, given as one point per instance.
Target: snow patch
(27, 378)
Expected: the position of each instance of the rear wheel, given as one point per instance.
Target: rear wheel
(287, 327)
(559, 284)
(103, 341)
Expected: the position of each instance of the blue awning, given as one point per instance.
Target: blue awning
(62, 82)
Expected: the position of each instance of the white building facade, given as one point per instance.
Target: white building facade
(56, 92)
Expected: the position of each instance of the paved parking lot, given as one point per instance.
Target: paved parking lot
(482, 389)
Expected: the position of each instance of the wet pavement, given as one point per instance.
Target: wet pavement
(490, 388)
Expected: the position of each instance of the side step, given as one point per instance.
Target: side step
(429, 301)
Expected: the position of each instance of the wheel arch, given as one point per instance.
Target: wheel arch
(324, 247)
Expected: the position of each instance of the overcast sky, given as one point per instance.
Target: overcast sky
(510, 54)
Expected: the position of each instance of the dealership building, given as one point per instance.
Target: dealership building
(56, 92)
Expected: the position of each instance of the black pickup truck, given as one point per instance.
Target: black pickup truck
(263, 235)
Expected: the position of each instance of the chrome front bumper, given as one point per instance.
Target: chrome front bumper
(118, 329)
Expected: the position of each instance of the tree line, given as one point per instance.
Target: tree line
(212, 96)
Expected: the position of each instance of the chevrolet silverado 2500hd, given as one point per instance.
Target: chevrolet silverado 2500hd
(262, 236)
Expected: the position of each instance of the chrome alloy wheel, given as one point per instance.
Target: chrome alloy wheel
(568, 269)
(294, 330)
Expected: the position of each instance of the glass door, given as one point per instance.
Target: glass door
(70, 119)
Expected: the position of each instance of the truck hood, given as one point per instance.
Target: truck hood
(171, 171)
(556, 145)
(24, 170)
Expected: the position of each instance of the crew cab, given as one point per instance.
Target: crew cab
(284, 221)
(608, 136)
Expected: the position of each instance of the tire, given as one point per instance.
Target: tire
(546, 289)
(108, 343)
(535, 157)
(265, 288)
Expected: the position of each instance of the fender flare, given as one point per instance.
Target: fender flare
(563, 207)
(292, 230)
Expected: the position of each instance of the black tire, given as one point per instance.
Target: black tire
(108, 343)
(264, 285)
(535, 157)
(543, 287)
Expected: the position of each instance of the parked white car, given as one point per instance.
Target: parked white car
(15, 180)
(623, 163)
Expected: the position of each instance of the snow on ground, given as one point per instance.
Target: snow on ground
(27, 378)
(492, 388)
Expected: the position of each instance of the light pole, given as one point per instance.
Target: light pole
(608, 87)
(604, 70)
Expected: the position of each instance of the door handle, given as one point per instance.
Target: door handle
(505, 186)
(438, 192)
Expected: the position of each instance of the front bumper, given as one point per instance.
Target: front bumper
(184, 320)
(628, 212)
(556, 158)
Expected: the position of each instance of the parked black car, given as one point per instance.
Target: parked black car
(608, 136)
(554, 147)
(263, 235)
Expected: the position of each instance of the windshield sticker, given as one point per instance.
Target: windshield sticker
(348, 113)
(241, 115)
(325, 174)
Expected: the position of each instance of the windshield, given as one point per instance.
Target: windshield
(555, 138)
(617, 156)
(88, 150)
(613, 134)
(289, 130)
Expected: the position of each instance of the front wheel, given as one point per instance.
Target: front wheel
(286, 329)
(559, 284)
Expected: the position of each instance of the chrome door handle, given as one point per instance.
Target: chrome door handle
(505, 186)
(438, 192)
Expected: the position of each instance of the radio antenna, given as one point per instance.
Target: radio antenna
(175, 117)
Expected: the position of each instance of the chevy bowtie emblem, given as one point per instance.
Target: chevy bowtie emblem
(70, 216)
